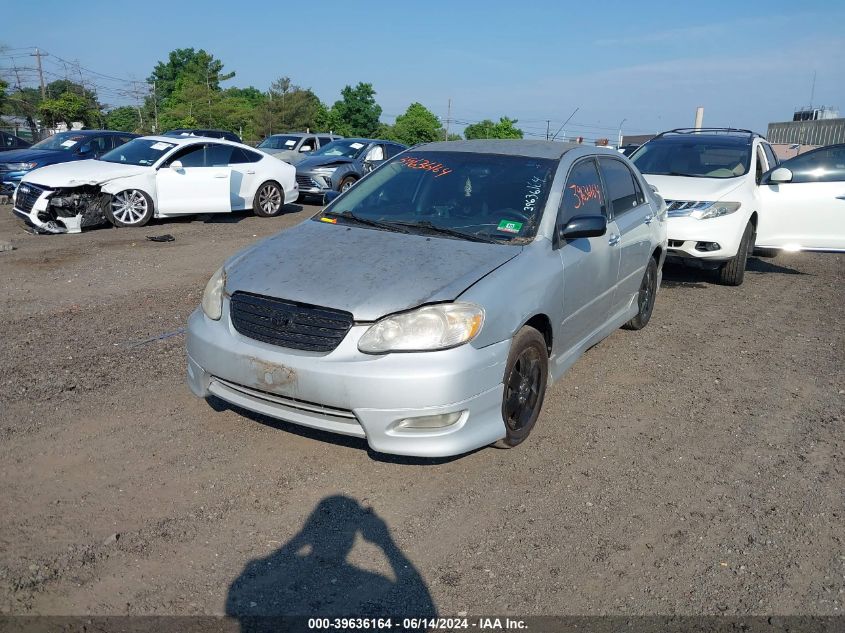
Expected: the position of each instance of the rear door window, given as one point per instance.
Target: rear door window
(620, 184)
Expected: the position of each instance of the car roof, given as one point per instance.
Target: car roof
(187, 140)
(369, 140)
(516, 147)
(708, 139)
(96, 132)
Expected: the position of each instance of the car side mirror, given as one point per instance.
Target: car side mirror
(779, 175)
(176, 165)
(584, 226)
(305, 148)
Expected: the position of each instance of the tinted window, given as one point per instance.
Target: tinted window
(770, 155)
(822, 165)
(583, 193)
(218, 155)
(619, 185)
(695, 157)
(325, 140)
(240, 155)
(192, 156)
(392, 150)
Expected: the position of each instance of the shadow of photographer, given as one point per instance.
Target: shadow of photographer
(311, 575)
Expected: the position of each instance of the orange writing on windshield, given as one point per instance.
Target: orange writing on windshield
(585, 193)
(427, 165)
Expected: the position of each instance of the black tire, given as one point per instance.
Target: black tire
(346, 183)
(526, 376)
(645, 298)
(732, 272)
(131, 207)
(269, 200)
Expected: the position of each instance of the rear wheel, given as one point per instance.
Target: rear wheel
(526, 375)
(131, 207)
(645, 298)
(269, 200)
(732, 272)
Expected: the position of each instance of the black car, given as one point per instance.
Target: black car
(10, 141)
(340, 164)
(224, 134)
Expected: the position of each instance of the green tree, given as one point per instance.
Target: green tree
(24, 103)
(123, 119)
(358, 111)
(186, 65)
(417, 125)
(3, 87)
(505, 128)
(287, 108)
(66, 108)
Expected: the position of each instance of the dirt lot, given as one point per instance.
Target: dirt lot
(694, 467)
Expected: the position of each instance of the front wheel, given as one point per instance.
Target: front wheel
(131, 207)
(526, 375)
(347, 183)
(645, 298)
(732, 272)
(269, 200)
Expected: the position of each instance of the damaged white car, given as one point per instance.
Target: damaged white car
(154, 177)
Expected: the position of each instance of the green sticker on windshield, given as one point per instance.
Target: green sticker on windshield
(508, 226)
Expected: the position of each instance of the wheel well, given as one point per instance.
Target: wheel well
(542, 324)
(658, 252)
(753, 219)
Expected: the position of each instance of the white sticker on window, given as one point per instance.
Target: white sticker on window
(290, 143)
(160, 146)
(356, 145)
(68, 143)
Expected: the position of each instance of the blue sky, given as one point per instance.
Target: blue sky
(651, 63)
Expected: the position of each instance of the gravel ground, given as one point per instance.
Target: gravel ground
(694, 467)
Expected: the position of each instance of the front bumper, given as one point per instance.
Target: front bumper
(348, 392)
(314, 184)
(686, 233)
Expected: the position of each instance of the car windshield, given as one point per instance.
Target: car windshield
(63, 141)
(279, 142)
(698, 158)
(139, 151)
(345, 148)
(486, 197)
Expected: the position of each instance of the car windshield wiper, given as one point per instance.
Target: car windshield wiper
(356, 219)
(427, 226)
(677, 173)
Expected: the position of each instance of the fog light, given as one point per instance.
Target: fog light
(707, 246)
(430, 421)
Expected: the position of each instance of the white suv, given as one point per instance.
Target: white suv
(710, 179)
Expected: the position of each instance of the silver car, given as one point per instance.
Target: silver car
(428, 307)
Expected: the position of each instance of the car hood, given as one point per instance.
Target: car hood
(81, 172)
(29, 155)
(289, 156)
(367, 272)
(310, 162)
(681, 188)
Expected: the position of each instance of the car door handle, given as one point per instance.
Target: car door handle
(648, 219)
(220, 175)
(251, 172)
(613, 240)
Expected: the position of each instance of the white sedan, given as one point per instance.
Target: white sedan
(155, 177)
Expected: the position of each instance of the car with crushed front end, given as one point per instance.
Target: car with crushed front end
(428, 308)
(340, 164)
(155, 176)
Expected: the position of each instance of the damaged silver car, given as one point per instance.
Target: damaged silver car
(427, 308)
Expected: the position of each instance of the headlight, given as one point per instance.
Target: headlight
(212, 297)
(425, 329)
(21, 166)
(325, 171)
(715, 210)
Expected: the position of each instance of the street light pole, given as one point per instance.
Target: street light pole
(619, 144)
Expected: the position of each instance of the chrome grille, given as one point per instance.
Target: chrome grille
(27, 195)
(289, 324)
(307, 182)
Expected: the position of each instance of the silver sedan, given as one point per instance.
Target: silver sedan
(428, 308)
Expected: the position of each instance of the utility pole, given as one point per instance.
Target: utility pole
(155, 108)
(548, 122)
(448, 119)
(38, 55)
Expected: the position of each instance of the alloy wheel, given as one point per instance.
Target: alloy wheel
(270, 199)
(129, 207)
